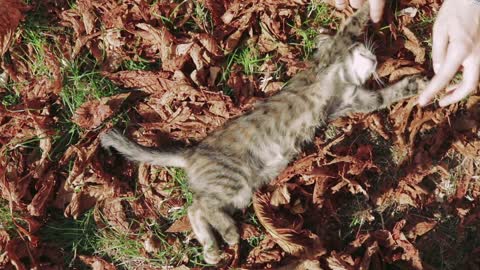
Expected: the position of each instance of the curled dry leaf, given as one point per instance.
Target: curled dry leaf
(413, 45)
(286, 232)
(93, 113)
(280, 195)
(266, 252)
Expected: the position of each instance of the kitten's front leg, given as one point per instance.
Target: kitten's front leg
(366, 101)
(405, 88)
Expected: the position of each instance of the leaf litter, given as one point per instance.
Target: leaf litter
(372, 191)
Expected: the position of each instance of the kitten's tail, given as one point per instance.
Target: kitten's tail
(135, 152)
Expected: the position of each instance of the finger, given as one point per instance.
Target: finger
(341, 4)
(356, 3)
(376, 10)
(455, 56)
(440, 44)
(471, 75)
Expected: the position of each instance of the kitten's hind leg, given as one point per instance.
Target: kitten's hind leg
(221, 221)
(204, 233)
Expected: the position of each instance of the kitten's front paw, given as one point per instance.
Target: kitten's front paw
(415, 85)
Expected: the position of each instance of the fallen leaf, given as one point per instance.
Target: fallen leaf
(180, 225)
(9, 19)
(92, 114)
(96, 263)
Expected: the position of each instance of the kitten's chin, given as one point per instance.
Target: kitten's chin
(363, 78)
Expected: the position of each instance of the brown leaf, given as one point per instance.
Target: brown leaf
(114, 212)
(12, 14)
(280, 195)
(413, 45)
(46, 189)
(367, 256)
(248, 231)
(180, 225)
(4, 238)
(338, 262)
(289, 235)
(267, 251)
(403, 72)
(420, 229)
(96, 263)
(390, 65)
(92, 113)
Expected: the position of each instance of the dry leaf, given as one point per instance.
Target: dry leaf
(96, 263)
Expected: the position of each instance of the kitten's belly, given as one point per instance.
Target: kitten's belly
(274, 160)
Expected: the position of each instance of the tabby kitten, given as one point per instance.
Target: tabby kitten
(226, 167)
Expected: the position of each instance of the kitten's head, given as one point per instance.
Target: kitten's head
(360, 64)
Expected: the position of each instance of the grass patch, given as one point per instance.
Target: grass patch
(319, 15)
(6, 222)
(202, 14)
(250, 60)
(127, 250)
(75, 237)
(180, 178)
(140, 64)
(10, 99)
(82, 83)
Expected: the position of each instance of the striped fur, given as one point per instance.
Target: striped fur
(230, 164)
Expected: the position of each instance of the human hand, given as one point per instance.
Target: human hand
(376, 7)
(456, 42)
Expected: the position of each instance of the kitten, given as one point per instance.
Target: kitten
(226, 167)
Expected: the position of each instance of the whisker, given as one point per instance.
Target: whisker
(377, 78)
(372, 45)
